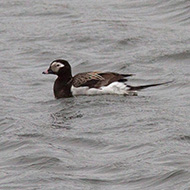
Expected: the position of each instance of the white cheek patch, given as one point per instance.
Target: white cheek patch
(56, 66)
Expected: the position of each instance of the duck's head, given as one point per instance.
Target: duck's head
(59, 67)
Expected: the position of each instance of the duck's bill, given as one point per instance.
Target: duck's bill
(45, 72)
(49, 71)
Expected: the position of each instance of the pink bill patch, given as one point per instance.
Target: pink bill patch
(45, 72)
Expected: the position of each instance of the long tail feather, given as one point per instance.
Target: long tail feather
(133, 88)
(127, 75)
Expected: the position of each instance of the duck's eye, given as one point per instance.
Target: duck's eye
(57, 65)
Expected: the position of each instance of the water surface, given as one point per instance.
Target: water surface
(95, 142)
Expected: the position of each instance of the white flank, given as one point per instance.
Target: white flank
(113, 88)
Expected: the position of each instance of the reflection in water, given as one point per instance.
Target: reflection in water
(63, 119)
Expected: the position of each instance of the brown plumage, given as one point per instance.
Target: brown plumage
(97, 79)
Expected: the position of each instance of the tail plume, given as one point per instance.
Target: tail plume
(127, 75)
(133, 88)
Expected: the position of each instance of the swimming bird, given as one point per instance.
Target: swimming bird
(90, 83)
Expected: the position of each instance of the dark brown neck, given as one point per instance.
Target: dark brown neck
(62, 87)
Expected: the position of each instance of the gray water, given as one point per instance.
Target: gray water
(95, 142)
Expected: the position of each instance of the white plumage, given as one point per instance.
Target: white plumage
(113, 88)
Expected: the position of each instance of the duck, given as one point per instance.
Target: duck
(90, 83)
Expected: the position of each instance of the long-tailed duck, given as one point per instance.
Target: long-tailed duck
(90, 83)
